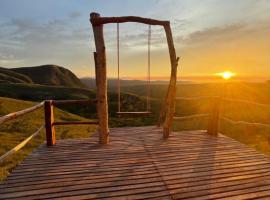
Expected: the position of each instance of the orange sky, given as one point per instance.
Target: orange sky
(210, 36)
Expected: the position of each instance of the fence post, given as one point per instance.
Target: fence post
(213, 122)
(49, 120)
(101, 80)
(171, 93)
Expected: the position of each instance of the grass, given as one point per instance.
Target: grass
(257, 137)
(35, 92)
(254, 136)
(14, 131)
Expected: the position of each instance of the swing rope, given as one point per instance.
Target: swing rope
(148, 106)
(118, 68)
(148, 68)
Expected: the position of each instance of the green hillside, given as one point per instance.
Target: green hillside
(14, 131)
(50, 75)
(34, 92)
(129, 101)
(257, 137)
(133, 99)
(9, 76)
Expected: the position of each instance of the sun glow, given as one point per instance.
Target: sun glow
(226, 75)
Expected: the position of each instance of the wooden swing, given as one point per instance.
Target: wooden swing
(167, 110)
(148, 102)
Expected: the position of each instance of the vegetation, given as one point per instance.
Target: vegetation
(14, 131)
(34, 92)
(9, 76)
(133, 98)
(256, 136)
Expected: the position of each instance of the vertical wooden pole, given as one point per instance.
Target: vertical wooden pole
(49, 120)
(170, 99)
(101, 81)
(213, 122)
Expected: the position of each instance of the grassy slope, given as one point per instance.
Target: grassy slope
(50, 75)
(13, 132)
(37, 92)
(130, 102)
(256, 137)
(8, 76)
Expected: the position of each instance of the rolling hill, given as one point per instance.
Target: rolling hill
(9, 76)
(51, 75)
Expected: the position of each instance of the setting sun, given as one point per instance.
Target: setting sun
(226, 75)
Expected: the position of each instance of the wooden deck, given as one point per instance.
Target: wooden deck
(139, 164)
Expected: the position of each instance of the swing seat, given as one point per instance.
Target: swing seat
(134, 113)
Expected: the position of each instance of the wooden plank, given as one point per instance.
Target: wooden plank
(132, 114)
(105, 20)
(139, 164)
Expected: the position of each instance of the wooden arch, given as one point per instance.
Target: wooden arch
(167, 110)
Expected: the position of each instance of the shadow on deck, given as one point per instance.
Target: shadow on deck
(139, 164)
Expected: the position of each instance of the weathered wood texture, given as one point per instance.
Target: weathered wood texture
(101, 80)
(213, 122)
(167, 109)
(106, 20)
(49, 121)
(139, 164)
(171, 94)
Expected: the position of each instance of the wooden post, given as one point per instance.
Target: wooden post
(49, 120)
(170, 100)
(101, 80)
(213, 122)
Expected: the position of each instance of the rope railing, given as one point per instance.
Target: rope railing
(20, 113)
(246, 102)
(189, 117)
(194, 98)
(49, 121)
(245, 122)
(21, 145)
(214, 116)
(15, 115)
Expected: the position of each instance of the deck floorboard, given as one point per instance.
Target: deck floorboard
(139, 164)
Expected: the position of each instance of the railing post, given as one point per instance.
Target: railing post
(213, 122)
(101, 81)
(170, 99)
(49, 120)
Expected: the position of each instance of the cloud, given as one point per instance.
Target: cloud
(237, 47)
(39, 42)
(207, 34)
(75, 14)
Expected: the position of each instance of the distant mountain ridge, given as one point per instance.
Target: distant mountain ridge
(51, 75)
(113, 82)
